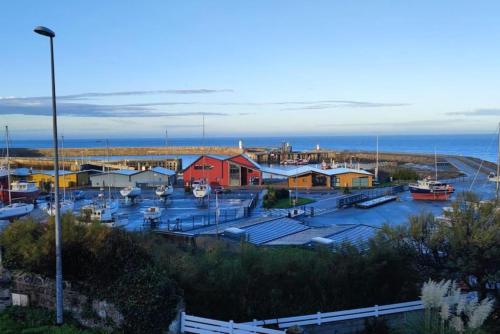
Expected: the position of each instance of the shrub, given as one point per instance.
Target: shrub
(109, 264)
(404, 174)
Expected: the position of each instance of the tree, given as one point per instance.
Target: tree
(464, 245)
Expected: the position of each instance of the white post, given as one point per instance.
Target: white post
(319, 318)
(231, 327)
(183, 321)
(376, 311)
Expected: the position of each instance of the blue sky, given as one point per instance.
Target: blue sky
(253, 67)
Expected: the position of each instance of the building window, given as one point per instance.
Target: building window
(318, 180)
(360, 181)
(200, 167)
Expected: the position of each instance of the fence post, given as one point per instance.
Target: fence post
(231, 327)
(254, 324)
(319, 318)
(183, 321)
(376, 311)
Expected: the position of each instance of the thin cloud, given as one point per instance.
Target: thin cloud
(84, 96)
(477, 112)
(75, 105)
(330, 104)
(92, 110)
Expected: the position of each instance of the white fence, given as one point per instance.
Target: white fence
(322, 318)
(192, 324)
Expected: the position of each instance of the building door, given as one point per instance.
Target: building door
(234, 175)
(244, 176)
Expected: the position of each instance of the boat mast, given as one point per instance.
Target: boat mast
(107, 177)
(376, 163)
(8, 163)
(435, 164)
(203, 143)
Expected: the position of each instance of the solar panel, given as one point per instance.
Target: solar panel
(262, 233)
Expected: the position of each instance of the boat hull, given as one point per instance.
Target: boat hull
(130, 193)
(25, 196)
(15, 211)
(430, 196)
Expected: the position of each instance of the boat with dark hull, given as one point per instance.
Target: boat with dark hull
(431, 190)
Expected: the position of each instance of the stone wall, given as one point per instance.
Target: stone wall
(41, 291)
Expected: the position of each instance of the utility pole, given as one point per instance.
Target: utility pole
(498, 164)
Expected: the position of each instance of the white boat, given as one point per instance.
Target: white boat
(152, 213)
(493, 178)
(164, 191)
(130, 192)
(200, 190)
(65, 206)
(98, 213)
(15, 210)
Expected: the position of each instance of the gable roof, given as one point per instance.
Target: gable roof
(310, 169)
(215, 157)
(251, 163)
(164, 171)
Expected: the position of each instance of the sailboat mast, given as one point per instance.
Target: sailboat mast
(376, 163)
(63, 172)
(203, 143)
(107, 161)
(435, 164)
(8, 163)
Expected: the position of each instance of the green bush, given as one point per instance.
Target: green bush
(404, 174)
(104, 263)
(273, 196)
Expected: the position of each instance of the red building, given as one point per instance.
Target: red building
(234, 171)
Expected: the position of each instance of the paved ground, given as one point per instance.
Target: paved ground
(180, 205)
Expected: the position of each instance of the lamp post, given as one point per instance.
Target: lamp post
(59, 283)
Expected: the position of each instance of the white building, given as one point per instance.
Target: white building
(127, 177)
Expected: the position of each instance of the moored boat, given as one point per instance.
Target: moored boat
(20, 191)
(200, 190)
(164, 191)
(130, 192)
(431, 190)
(64, 207)
(152, 213)
(15, 210)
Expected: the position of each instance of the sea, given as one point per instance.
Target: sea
(483, 146)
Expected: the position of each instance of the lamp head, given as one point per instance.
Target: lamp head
(44, 31)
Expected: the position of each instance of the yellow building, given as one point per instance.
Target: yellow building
(66, 179)
(308, 177)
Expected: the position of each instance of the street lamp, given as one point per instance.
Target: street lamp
(59, 282)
